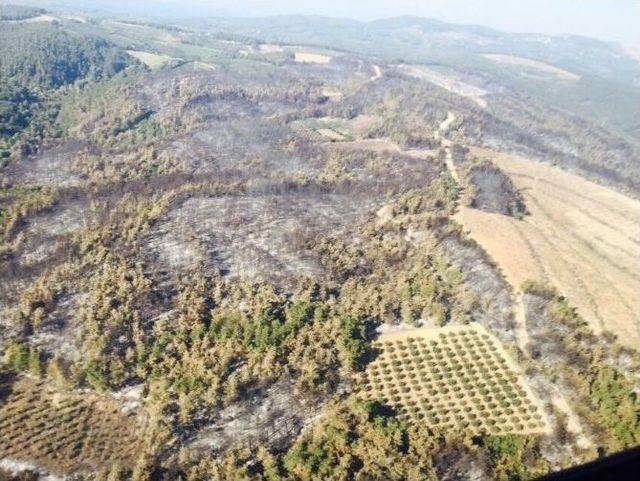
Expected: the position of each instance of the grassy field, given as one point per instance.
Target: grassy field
(456, 377)
(580, 236)
(152, 60)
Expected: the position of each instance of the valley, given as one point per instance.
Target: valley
(299, 249)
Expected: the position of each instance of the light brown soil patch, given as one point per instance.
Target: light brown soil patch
(333, 94)
(377, 73)
(270, 48)
(455, 377)
(534, 64)
(451, 82)
(376, 145)
(309, 57)
(582, 237)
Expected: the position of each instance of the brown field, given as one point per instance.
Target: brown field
(582, 237)
(533, 64)
(309, 57)
(65, 432)
(270, 48)
(455, 377)
(336, 129)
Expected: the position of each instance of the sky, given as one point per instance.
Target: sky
(615, 20)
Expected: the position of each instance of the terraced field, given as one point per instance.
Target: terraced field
(63, 432)
(456, 377)
(582, 237)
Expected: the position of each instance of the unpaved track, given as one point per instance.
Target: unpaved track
(581, 237)
(513, 245)
(522, 336)
(440, 135)
(377, 73)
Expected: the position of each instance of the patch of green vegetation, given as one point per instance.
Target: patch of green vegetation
(617, 403)
(163, 40)
(16, 107)
(26, 117)
(604, 395)
(340, 126)
(514, 457)
(338, 448)
(20, 357)
(47, 56)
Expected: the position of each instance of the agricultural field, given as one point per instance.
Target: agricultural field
(62, 432)
(218, 238)
(456, 377)
(310, 57)
(339, 129)
(528, 64)
(579, 236)
(153, 60)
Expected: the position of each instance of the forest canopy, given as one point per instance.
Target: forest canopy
(48, 56)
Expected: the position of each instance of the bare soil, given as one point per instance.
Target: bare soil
(580, 236)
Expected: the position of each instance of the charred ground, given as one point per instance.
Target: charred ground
(208, 245)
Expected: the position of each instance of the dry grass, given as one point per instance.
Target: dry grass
(332, 93)
(582, 237)
(532, 64)
(65, 432)
(456, 377)
(309, 57)
(270, 48)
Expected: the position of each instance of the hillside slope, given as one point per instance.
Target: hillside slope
(579, 236)
(207, 261)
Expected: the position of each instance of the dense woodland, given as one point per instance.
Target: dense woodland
(126, 191)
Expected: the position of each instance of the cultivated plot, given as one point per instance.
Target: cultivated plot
(456, 377)
(64, 432)
(581, 237)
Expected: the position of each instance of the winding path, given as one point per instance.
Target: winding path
(519, 311)
(522, 336)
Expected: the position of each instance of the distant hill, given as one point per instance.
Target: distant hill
(48, 56)
(605, 89)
